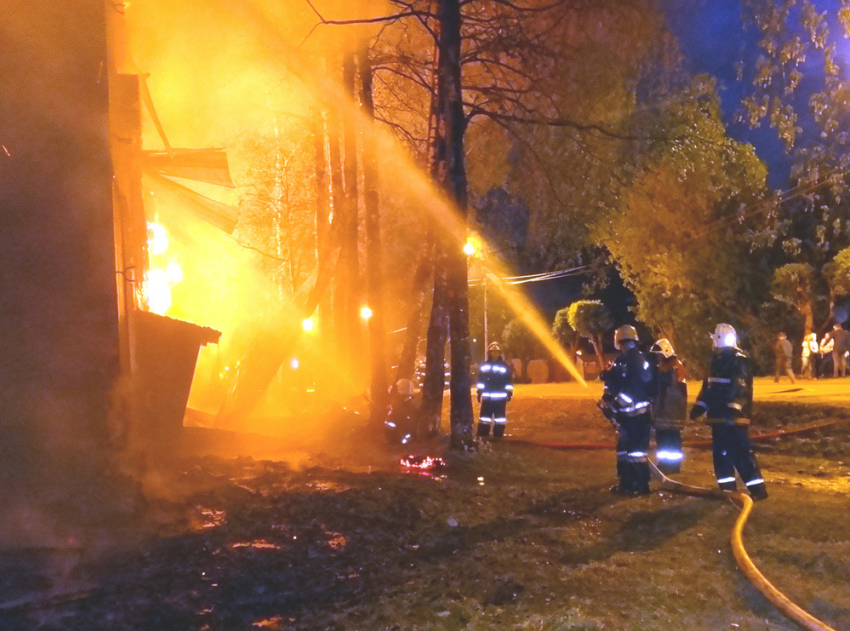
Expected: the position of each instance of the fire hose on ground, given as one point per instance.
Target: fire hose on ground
(745, 564)
(758, 438)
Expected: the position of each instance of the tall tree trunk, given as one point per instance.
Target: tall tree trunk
(596, 341)
(457, 272)
(425, 264)
(435, 349)
(433, 384)
(423, 271)
(374, 249)
(350, 237)
(340, 278)
(323, 209)
(322, 213)
(808, 314)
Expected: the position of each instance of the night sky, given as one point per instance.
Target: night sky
(713, 40)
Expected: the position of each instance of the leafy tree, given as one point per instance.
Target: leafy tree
(520, 342)
(591, 319)
(837, 274)
(277, 209)
(799, 88)
(793, 285)
(510, 64)
(676, 234)
(563, 331)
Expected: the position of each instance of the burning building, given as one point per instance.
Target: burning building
(89, 365)
(103, 313)
(136, 278)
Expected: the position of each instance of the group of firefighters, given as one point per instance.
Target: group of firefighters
(642, 391)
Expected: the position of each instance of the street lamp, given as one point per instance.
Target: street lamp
(473, 249)
(365, 313)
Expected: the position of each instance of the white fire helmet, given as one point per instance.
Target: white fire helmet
(494, 348)
(404, 387)
(627, 332)
(663, 347)
(724, 336)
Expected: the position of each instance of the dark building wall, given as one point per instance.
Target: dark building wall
(58, 314)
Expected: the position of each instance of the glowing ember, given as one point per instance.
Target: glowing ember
(269, 623)
(337, 540)
(259, 544)
(207, 518)
(423, 462)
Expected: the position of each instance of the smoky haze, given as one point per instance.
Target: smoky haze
(57, 282)
(252, 78)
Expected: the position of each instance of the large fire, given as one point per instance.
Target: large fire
(156, 290)
(250, 248)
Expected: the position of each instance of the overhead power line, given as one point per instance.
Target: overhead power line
(536, 278)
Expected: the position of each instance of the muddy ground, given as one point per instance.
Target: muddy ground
(511, 536)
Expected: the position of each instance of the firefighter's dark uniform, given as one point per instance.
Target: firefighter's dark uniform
(669, 411)
(494, 391)
(626, 395)
(726, 399)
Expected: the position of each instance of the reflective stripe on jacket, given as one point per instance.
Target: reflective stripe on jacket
(727, 393)
(494, 379)
(628, 384)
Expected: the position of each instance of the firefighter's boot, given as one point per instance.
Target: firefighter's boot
(757, 491)
(727, 484)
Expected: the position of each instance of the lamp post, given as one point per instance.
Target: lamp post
(485, 315)
(472, 249)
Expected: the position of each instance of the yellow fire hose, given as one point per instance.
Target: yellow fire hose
(779, 600)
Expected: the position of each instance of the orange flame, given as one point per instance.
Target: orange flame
(156, 289)
(423, 462)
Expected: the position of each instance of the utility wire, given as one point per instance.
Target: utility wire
(536, 278)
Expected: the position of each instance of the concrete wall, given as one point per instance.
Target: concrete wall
(58, 313)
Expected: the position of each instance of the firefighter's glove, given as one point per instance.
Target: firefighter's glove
(606, 409)
(696, 412)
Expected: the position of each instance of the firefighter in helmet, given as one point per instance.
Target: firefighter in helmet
(626, 403)
(669, 405)
(726, 400)
(494, 389)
